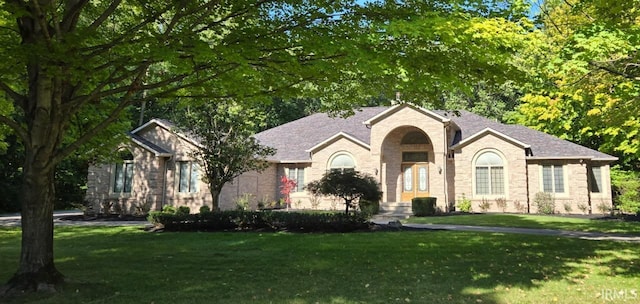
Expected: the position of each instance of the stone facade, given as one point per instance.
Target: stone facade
(155, 178)
(450, 165)
(515, 168)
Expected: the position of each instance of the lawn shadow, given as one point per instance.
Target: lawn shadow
(127, 266)
(590, 223)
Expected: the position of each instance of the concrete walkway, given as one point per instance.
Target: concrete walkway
(597, 236)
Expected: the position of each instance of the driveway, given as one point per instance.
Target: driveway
(14, 220)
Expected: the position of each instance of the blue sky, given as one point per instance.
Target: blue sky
(535, 7)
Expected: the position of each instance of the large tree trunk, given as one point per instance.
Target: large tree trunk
(36, 270)
(45, 130)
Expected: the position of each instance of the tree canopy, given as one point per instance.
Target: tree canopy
(227, 146)
(70, 69)
(585, 67)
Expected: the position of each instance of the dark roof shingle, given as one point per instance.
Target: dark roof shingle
(542, 144)
(293, 140)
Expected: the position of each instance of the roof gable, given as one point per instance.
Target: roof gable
(293, 140)
(149, 146)
(489, 131)
(168, 126)
(337, 137)
(394, 109)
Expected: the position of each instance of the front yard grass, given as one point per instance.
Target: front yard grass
(127, 265)
(533, 221)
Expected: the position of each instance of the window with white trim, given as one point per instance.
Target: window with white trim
(553, 179)
(595, 174)
(297, 175)
(489, 174)
(123, 173)
(342, 161)
(188, 177)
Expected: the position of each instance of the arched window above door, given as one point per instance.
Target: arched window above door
(414, 138)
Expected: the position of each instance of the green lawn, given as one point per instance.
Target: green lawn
(126, 265)
(533, 221)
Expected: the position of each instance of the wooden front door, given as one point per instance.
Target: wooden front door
(415, 181)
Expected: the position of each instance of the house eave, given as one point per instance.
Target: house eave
(396, 108)
(168, 128)
(336, 137)
(572, 157)
(150, 149)
(486, 131)
(287, 161)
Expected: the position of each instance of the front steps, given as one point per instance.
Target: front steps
(395, 210)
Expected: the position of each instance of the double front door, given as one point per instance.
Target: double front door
(415, 180)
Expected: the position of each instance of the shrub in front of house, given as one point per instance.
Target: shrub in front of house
(255, 220)
(423, 206)
(169, 209)
(205, 209)
(369, 208)
(545, 203)
(183, 210)
(464, 204)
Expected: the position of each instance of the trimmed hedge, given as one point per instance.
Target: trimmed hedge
(423, 206)
(256, 220)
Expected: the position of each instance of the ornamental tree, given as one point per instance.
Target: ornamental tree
(286, 187)
(349, 185)
(227, 148)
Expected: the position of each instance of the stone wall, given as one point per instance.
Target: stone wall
(386, 133)
(515, 169)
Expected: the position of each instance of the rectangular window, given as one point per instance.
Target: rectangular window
(188, 177)
(595, 173)
(482, 180)
(497, 180)
(123, 177)
(297, 174)
(553, 178)
(489, 180)
(415, 157)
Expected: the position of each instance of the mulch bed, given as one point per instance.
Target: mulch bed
(620, 217)
(123, 218)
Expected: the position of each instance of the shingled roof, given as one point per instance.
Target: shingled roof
(151, 147)
(542, 145)
(293, 140)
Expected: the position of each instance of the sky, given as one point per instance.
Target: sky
(535, 7)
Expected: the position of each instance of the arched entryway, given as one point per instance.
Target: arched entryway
(407, 153)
